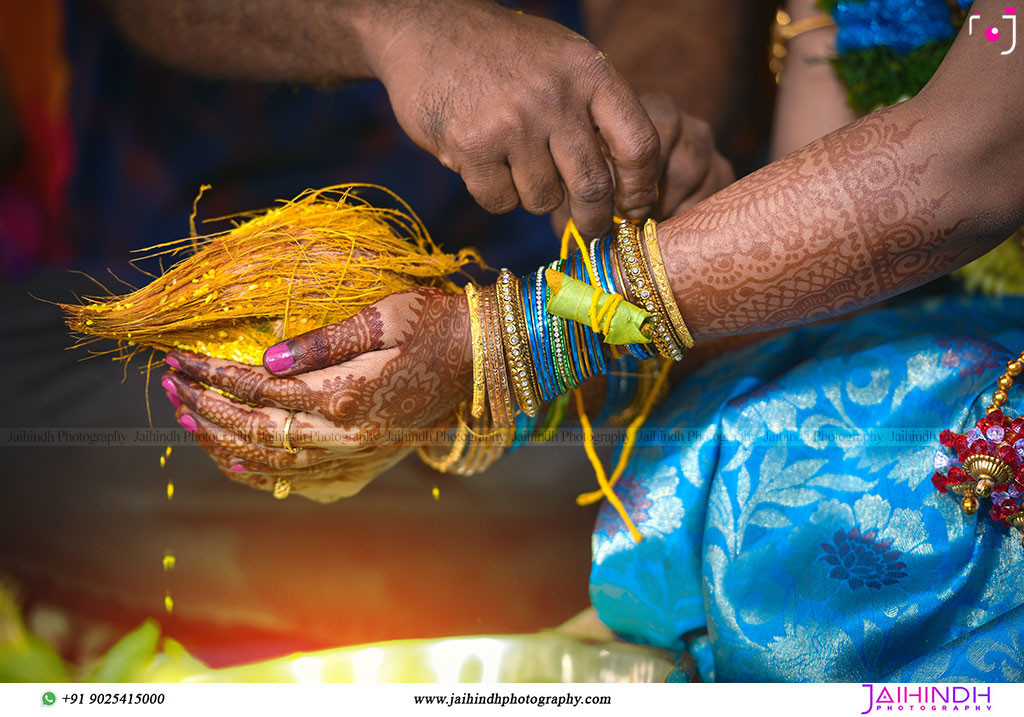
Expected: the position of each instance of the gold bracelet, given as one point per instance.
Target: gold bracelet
(634, 267)
(784, 30)
(479, 386)
(442, 464)
(517, 345)
(660, 275)
(498, 391)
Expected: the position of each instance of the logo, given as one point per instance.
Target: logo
(928, 698)
(993, 34)
(49, 698)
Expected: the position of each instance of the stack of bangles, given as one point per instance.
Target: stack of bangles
(526, 358)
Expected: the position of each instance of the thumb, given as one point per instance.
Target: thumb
(330, 345)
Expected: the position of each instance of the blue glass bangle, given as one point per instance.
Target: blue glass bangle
(587, 336)
(552, 328)
(535, 330)
(575, 350)
(544, 346)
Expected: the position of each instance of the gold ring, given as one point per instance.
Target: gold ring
(287, 429)
(282, 488)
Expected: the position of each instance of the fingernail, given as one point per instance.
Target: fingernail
(173, 362)
(238, 467)
(278, 358)
(173, 398)
(188, 423)
(168, 384)
(640, 213)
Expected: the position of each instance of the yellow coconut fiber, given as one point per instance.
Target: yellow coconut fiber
(312, 261)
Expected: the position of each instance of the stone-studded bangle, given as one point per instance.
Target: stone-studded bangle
(517, 349)
(633, 267)
(664, 290)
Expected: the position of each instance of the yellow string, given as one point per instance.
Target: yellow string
(606, 491)
(630, 442)
(571, 232)
(607, 313)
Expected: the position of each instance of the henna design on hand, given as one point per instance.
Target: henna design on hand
(352, 420)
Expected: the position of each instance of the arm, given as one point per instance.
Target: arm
(811, 101)
(883, 205)
(522, 108)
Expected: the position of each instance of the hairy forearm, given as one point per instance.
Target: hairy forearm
(260, 40)
(872, 210)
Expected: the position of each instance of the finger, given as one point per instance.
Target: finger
(324, 483)
(536, 180)
(262, 425)
(372, 329)
(632, 143)
(667, 120)
(588, 182)
(689, 165)
(237, 470)
(212, 437)
(491, 185)
(252, 384)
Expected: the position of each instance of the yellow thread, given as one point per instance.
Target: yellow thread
(606, 489)
(169, 561)
(325, 255)
(607, 313)
(594, 298)
(170, 489)
(588, 431)
(436, 492)
(630, 441)
(168, 602)
(192, 216)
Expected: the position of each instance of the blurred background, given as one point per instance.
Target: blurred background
(102, 151)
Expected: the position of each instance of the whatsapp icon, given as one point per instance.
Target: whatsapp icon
(49, 698)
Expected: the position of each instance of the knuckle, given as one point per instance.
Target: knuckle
(503, 204)
(589, 62)
(475, 142)
(545, 199)
(593, 188)
(642, 146)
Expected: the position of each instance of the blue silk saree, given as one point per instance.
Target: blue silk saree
(791, 531)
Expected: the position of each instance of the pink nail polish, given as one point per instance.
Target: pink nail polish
(173, 398)
(238, 467)
(168, 384)
(188, 423)
(173, 362)
(278, 358)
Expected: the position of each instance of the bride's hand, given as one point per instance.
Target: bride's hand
(363, 392)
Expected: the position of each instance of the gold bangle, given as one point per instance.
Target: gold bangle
(517, 345)
(784, 30)
(638, 280)
(479, 387)
(660, 275)
(498, 391)
(442, 464)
